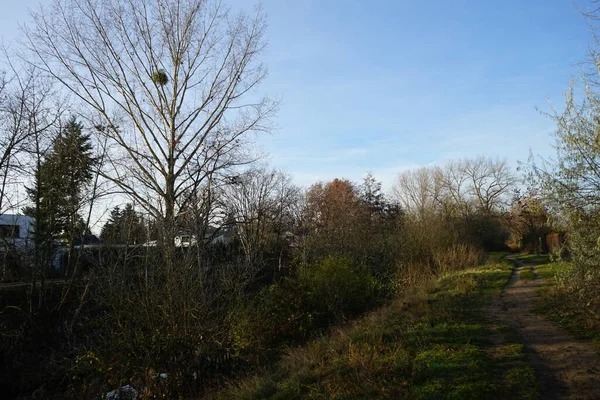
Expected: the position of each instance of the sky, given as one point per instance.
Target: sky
(384, 86)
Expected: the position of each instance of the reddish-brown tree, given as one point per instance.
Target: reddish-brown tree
(335, 213)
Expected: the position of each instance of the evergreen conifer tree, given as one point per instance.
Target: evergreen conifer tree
(57, 194)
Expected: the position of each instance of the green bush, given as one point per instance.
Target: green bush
(297, 308)
(338, 289)
(278, 314)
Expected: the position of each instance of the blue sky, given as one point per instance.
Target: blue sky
(383, 86)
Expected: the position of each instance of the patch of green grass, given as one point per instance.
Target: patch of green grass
(435, 344)
(533, 258)
(494, 257)
(519, 379)
(457, 372)
(549, 271)
(527, 274)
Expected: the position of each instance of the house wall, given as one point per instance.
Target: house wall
(24, 223)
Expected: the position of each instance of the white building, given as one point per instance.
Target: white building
(16, 230)
(185, 240)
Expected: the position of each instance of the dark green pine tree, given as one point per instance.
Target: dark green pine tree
(371, 194)
(132, 227)
(124, 227)
(111, 230)
(72, 161)
(57, 195)
(45, 196)
(377, 206)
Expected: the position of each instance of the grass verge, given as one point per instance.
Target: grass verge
(434, 343)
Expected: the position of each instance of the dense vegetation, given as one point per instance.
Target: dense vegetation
(216, 309)
(431, 342)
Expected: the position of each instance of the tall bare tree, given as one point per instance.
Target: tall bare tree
(459, 188)
(490, 182)
(25, 116)
(261, 202)
(418, 190)
(171, 81)
(456, 191)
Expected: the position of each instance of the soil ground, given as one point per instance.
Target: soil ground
(566, 368)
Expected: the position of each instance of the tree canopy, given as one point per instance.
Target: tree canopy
(171, 84)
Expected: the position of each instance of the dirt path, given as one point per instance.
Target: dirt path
(565, 367)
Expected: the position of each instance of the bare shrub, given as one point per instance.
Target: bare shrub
(457, 257)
